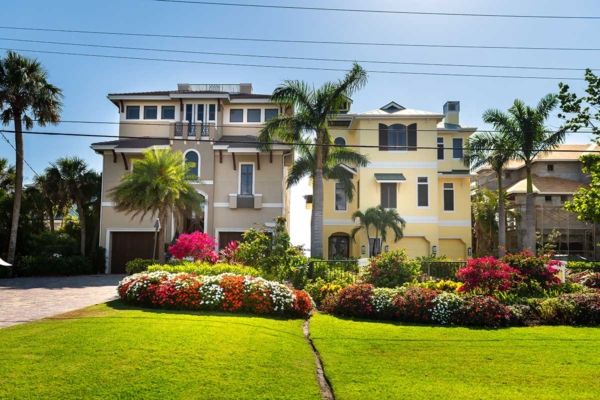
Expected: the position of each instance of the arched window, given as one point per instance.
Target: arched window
(397, 137)
(192, 156)
(339, 141)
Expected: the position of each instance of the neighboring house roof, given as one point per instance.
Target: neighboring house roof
(235, 142)
(390, 177)
(454, 127)
(405, 112)
(546, 185)
(456, 172)
(141, 143)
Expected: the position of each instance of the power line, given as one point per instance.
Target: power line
(292, 67)
(18, 152)
(296, 58)
(355, 10)
(246, 39)
(362, 146)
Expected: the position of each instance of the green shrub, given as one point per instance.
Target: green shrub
(98, 258)
(138, 265)
(205, 269)
(577, 266)
(391, 269)
(53, 266)
(50, 244)
(320, 288)
(443, 285)
(4, 272)
(558, 311)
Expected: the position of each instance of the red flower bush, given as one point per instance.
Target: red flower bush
(415, 305)
(303, 304)
(200, 246)
(484, 311)
(233, 286)
(540, 269)
(487, 275)
(355, 301)
(229, 255)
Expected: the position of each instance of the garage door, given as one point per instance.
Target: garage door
(226, 237)
(126, 246)
(415, 246)
(452, 248)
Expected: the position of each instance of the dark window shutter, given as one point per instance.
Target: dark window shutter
(412, 137)
(393, 194)
(383, 137)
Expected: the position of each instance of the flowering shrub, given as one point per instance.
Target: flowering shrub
(355, 301)
(587, 308)
(483, 311)
(445, 306)
(391, 269)
(534, 269)
(415, 305)
(225, 292)
(383, 301)
(199, 246)
(487, 275)
(319, 288)
(443, 285)
(591, 280)
(229, 255)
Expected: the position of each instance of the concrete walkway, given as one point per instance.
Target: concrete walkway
(28, 299)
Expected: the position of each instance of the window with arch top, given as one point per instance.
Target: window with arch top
(339, 141)
(193, 157)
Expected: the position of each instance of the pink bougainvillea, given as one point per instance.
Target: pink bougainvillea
(200, 246)
(488, 275)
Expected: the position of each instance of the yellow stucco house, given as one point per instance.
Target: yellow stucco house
(414, 167)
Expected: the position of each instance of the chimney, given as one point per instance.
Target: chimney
(451, 112)
(183, 87)
(246, 88)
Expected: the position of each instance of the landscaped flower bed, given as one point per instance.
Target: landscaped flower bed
(225, 292)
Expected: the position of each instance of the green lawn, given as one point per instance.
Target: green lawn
(374, 360)
(112, 351)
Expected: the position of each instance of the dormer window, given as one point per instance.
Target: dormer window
(392, 107)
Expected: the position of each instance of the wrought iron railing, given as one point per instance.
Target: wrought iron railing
(179, 129)
(192, 129)
(245, 201)
(441, 269)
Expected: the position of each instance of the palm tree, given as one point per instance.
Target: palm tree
(314, 109)
(25, 97)
(55, 199)
(524, 125)
(78, 182)
(382, 220)
(495, 150)
(305, 165)
(158, 185)
(7, 175)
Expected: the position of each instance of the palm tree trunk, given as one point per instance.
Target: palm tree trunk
(316, 230)
(529, 213)
(51, 218)
(162, 237)
(501, 218)
(81, 225)
(14, 226)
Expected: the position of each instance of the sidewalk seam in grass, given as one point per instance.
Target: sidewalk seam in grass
(324, 384)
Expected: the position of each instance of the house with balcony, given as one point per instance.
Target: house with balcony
(214, 126)
(556, 176)
(415, 167)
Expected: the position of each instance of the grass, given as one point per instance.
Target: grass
(374, 360)
(112, 351)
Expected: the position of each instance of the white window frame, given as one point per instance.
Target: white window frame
(151, 119)
(174, 113)
(335, 184)
(381, 192)
(207, 111)
(140, 111)
(243, 121)
(260, 116)
(462, 143)
(444, 197)
(264, 113)
(419, 184)
(343, 138)
(199, 160)
(443, 143)
(253, 177)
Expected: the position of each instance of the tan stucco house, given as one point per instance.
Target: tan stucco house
(214, 126)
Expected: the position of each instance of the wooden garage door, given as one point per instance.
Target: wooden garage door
(452, 248)
(226, 237)
(126, 246)
(415, 246)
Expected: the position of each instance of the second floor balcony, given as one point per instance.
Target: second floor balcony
(193, 131)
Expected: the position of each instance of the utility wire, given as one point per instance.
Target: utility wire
(17, 152)
(297, 58)
(246, 39)
(292, 67)
(299, 144)
(356, 10)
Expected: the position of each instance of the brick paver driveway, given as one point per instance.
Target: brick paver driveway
(27, 299)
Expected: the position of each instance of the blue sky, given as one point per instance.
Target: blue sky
(87, 81)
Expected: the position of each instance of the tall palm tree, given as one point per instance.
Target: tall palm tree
(158, 185)
(495, 150)
(56, 200)
(382, 220)
(25, 97)
(305, 165)
(314, 109)
(525, 126)
(77, 181)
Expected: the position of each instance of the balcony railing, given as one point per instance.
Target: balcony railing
(245, 201)
(191, 130)
(215, 88)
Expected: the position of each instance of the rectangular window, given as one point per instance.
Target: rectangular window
(132, 112)
(168, 112)
(236, 115)
(423, 192)
(550, 167)
(271, 113)
(212, 112)
(189, 113)
(253, 115)
(457, 148)
(448, 196)
(200, 112)
(564, 198)
(548, 199)
(341, 203)
(507, 174)
(440, 148)
(246, 179)
(150, 112)
(388, 195)
(397, 137)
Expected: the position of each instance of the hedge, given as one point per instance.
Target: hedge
(53, 266)
(205, 269)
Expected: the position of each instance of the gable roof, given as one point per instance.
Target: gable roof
(546, 185)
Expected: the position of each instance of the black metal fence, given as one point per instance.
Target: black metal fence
(441, 269)
(333, 269)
